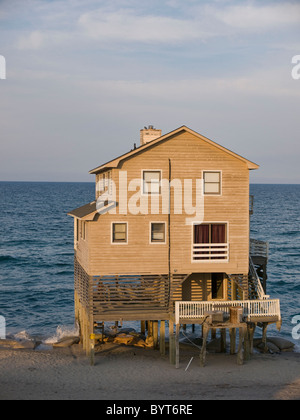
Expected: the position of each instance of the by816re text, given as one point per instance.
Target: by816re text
(171, 409)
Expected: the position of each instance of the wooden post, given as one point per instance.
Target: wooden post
(103, 328)
(240, 356)
(162, 338)
(205, 330)
(232, 333)
(234, 290)
(171, 343)
(92, 352)
(251, 335)
(223, 340)
(83, 329)
(89, 332)
(155, 334)
(177, 345)
(247, 344)
(150, 328)
(264, 337)
(143, 327)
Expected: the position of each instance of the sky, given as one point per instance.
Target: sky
(83, 77)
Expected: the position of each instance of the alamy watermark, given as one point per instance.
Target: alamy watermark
(157, 196)
(296, 68)
(296, 329)
(2, 328)
(2, 67)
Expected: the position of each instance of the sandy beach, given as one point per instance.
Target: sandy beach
(129, 373)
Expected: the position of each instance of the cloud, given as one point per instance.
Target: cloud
(33, 41)
(194, 23)
(127, 25)
(136, 23)
(251, 18)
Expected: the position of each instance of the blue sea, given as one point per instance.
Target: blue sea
(36, 252)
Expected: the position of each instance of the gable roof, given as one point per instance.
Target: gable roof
(115, 162)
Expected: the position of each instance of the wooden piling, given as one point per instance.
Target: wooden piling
(155, 334)
(177, 345)
(264, 337)
(240, 355)
(162, 338)
(223, 340)
(232, 333)
(171, 343)
(205, 331)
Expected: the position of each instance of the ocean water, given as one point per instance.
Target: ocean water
(36, 252)
(276, 219)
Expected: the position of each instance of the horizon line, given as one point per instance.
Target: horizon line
(93, 182)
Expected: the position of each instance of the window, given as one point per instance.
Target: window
(109, 182)
(158, 232)
(76, 230)
(212, 183)
(152, 182)
(105, 182)
(82, 230)
(119, 233)
(210, 242)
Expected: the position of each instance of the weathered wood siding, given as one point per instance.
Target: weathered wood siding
(189, 157)
(81, 244)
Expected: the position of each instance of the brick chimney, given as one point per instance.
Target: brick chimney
(149, 134)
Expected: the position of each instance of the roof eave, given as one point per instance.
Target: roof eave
(115, 162)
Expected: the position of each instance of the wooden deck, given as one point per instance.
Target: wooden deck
(267, 310)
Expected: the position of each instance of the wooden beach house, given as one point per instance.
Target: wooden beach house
(167, 240)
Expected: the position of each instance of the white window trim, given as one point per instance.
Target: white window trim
(150, 233)
(221, 183)
(142, 182)
(112, 233)
(104, 182)
(224, 261)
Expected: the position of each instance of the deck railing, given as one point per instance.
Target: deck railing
(207, 252)
(259, 248)
(251, 308)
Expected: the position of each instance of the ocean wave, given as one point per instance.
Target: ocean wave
(290, 233)
(63, 331)
(7, 258)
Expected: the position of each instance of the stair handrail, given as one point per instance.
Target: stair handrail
(257, 282)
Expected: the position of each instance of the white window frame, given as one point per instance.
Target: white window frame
(105, 182)
(112, 233)
(83, 230)
(221, 179)
(149, 194)
(150, 233)
(210, 261)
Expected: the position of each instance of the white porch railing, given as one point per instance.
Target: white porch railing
(207, 252)
(251, 308)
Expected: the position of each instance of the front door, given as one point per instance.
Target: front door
(217, 286)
